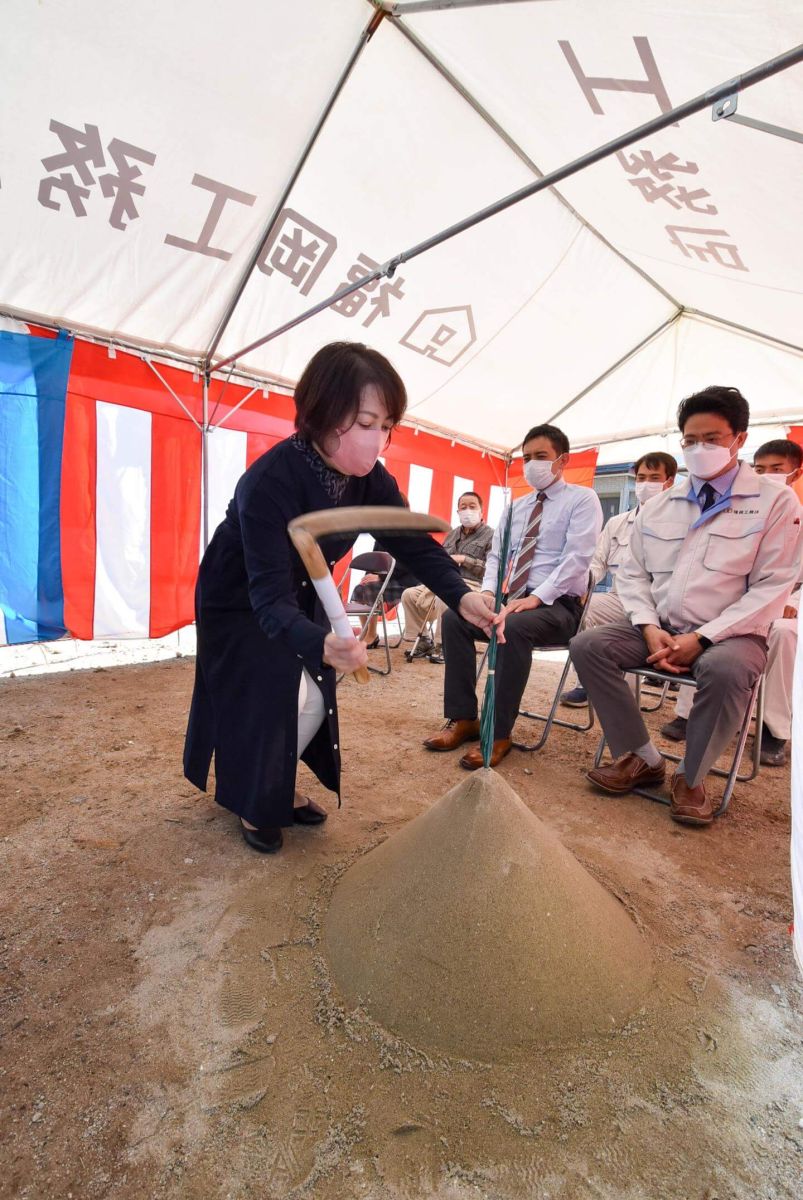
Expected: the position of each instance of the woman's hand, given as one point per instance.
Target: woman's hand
(478, 609)
(344, 653)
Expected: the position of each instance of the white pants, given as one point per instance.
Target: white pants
(417, 601)
(778, 684)
(311, 710)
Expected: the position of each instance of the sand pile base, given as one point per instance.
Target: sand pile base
(473, 931)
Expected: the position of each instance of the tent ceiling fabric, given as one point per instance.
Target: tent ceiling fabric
(142, 226)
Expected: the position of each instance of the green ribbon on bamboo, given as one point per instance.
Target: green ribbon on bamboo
(488, 714)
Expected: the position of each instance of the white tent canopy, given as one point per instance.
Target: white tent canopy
(140, 174)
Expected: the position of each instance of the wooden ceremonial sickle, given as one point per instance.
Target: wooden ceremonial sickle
(305, 531)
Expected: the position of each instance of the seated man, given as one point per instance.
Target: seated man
(552, 538)
(654, 473)
(780, 462)
(711, 566)
(468, 543)
(367, 590)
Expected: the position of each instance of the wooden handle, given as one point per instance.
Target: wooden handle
(366, 520)
(312, 558)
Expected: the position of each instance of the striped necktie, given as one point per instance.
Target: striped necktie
(526, 554)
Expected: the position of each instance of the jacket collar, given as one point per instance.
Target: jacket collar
(746, 483)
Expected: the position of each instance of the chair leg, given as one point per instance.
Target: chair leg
(378, 670)
(482, 663)
(550, 719)
(659, 704)
(399, 618)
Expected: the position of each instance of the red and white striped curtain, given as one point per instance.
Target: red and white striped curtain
(131, 486)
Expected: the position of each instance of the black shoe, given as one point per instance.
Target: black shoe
(773, 750)
(266, 841)
(437, 658)
(675, 730)
(424, 648)
(305, 814)
(373, 645)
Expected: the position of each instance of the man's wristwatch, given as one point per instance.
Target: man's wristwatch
(705, 642)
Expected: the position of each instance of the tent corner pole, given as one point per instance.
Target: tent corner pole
(205, 462)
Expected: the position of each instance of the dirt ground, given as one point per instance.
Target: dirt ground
(170, 1029)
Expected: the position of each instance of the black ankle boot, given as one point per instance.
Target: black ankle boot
(266, 841)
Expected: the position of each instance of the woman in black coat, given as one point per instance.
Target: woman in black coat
(260, 626)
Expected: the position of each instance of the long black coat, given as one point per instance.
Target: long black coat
(259, 622)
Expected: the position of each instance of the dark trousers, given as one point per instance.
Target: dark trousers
(547, 625)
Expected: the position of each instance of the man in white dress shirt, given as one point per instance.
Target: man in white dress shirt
(553, 534)
(780, 462)
(654, 473)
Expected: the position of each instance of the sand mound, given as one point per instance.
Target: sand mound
(473, 931)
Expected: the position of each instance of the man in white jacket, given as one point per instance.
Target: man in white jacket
(712, 563)
(654, 473)
(781, 464)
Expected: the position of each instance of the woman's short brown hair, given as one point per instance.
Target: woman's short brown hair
(328, 393)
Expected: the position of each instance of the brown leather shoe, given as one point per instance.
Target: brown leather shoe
(626, 773)
(472, 761)
(690, 805)
(453, 734)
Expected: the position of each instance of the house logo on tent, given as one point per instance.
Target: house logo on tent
(442, 334)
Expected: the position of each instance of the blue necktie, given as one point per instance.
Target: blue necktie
(709, 496)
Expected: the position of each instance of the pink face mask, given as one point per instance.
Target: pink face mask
(358, 449)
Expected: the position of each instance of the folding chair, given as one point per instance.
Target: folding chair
(550, 719)
(756, 701)
(374, 562)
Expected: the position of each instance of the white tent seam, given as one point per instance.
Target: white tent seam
(619, 363)
(528, 300)
(242, 282)
(522, 154)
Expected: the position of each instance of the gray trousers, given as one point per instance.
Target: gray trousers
(725, 675)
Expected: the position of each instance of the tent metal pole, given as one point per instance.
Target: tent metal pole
(228, 313)
(619, 363)
(764, 337)
(637, 435)
(205, 464)
(227, 416)
(172, 392)
(747, 79)
(765, 127)
(406, 7)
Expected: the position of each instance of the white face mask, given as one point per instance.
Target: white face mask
(706, 462)
(539, 474)
(647, 489)
(469, 517)
(775, 479)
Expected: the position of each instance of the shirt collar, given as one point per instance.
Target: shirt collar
(553, 490)
(722, 484)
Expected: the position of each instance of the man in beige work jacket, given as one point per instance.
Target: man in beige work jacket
(654, 473)
(711, 565)
(781, 463)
